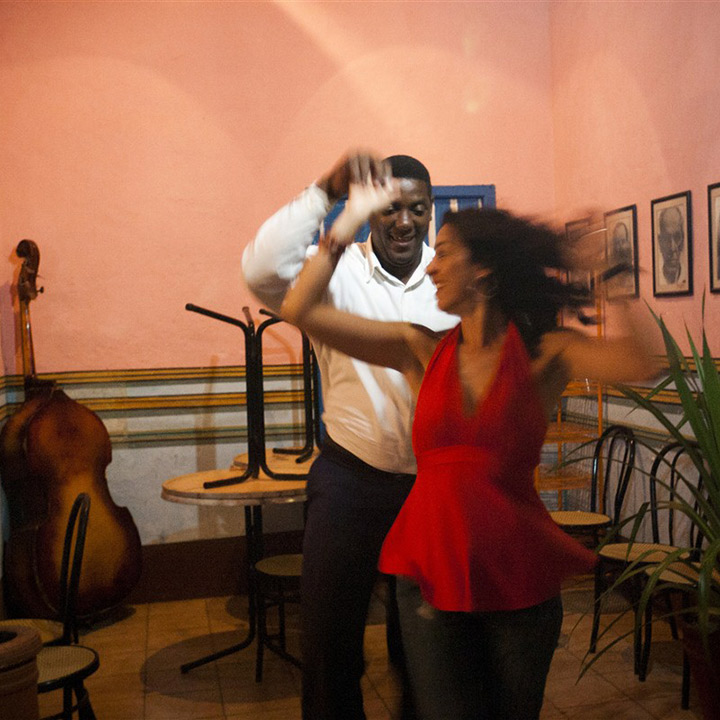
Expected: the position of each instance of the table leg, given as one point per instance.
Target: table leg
(253, 538)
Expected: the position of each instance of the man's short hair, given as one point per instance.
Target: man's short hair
(404, 166)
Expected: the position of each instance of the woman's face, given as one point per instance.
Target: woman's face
(453, 272)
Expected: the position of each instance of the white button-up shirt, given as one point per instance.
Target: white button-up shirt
(366, 409)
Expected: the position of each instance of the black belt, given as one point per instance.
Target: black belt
(336, 453)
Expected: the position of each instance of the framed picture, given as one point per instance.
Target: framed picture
(574, 230)
(672, 245)
(714, 233)
(622, 247)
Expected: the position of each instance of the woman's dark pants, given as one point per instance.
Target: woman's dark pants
(477, 666)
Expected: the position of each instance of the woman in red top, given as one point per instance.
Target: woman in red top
(479, 561)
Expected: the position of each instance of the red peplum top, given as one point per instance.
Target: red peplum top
(473, 532)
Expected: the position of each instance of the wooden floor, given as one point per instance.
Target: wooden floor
(140, 654)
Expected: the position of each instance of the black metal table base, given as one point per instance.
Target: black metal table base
(253, 533)
(257, 459)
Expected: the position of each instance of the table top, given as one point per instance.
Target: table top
(189, 488)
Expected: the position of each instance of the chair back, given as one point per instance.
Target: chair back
(672, 471)
(74, 545)
(612, 466)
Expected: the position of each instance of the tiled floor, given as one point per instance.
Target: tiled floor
(139, 677)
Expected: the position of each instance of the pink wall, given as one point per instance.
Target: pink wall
(636, 108)
(143, 143)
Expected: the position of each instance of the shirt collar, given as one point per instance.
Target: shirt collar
(373, 265)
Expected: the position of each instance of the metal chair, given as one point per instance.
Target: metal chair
(277, 581)
(616, 556)
(63, 665)
(670, 465)
(612, 464)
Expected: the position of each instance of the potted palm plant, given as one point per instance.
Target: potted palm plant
(692, 571)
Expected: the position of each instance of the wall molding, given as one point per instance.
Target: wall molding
(175, 405)
(146, 406)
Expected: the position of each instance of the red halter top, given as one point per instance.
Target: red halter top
(473, 532)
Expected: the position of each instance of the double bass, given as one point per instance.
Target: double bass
(51, 449)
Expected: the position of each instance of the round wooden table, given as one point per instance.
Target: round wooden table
(252, 493)
(188, 489)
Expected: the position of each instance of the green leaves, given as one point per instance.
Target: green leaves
(699, 393)
(691, 571)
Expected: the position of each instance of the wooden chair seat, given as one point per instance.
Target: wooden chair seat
(579, 519)
(283, 566)
(637, 552)
(681, 573)
(59, 665)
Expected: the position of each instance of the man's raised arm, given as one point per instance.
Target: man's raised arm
(276, 255)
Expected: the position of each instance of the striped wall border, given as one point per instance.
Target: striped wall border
(156, 394)
(168, 392)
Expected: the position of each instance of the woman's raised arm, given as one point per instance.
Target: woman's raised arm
(389, 344)
(627, 353)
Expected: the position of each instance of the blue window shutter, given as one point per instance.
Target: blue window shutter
(446, 197)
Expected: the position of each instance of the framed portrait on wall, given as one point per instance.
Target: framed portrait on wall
(622, 248)
(714, 235)
(574, 230)
(672, 245)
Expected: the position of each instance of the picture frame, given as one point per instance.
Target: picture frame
(621, 246)
(714, 236)
(573, 232)
(575, 228)
(672, 245)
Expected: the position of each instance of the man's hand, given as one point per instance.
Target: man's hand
(354, 167)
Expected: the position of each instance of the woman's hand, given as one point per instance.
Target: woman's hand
(364, 198)
(351, 167)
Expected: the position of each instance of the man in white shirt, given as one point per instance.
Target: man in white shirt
(366, 466)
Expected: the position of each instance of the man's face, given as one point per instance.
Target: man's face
(671, 239)
(399, 230)
(620, 244)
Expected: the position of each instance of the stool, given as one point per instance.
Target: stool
(277, 581)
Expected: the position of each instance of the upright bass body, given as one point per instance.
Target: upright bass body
(51, 449)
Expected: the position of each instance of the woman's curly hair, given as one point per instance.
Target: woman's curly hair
(528, 263)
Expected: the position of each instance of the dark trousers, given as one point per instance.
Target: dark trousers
(350, 510)
(477, 666)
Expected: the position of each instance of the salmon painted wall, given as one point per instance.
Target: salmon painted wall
(636, 103)
(143, 143)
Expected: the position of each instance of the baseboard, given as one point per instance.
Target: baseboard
(198, 568)
(202, 568)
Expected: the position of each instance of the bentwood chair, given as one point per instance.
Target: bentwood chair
(63, 627)
(63, 665)
(672, 471)
(616, 556)
(612, 465)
